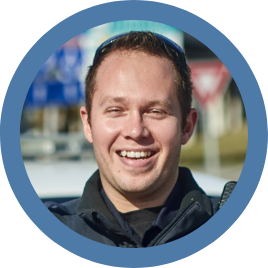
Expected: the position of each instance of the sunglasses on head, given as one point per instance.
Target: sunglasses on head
(170, 44)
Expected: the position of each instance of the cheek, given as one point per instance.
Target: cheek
(108, 126)
(168, 134)
(104, 132)
(171, 140)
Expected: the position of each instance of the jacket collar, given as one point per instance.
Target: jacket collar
(191, 191)
(92, 200)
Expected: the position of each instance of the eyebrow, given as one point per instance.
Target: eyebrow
(162, 103)
(112, 99)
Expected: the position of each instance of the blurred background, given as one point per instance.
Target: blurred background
(59, 160)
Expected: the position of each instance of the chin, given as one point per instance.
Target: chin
(136, 184)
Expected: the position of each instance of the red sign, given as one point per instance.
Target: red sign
(210, 80)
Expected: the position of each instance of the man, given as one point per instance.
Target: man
(137, 115)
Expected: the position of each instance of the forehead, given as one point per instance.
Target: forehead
(135, 75)
(128, 61)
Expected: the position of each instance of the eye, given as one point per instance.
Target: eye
(113, 110)
(155, 111)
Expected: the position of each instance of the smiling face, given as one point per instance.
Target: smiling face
(136, 125)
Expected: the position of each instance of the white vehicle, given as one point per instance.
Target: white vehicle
(66, 179)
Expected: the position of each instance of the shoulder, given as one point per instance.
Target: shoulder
(66, 208)
(65, 212)
(68, 213)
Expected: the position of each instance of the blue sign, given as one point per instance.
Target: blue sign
(57, 82)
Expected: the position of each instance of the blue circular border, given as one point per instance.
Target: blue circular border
(134, 10)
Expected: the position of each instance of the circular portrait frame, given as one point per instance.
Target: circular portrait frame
(225, 51)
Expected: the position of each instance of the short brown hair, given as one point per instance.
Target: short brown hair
(151, 44)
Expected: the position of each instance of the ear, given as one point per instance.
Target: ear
(86, 125)
(189, 126)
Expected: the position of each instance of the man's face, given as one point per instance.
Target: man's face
(135, 112)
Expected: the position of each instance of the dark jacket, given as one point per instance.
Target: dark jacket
(90, 217)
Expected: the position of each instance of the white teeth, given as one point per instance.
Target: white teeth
(135, 154)
(138, 154)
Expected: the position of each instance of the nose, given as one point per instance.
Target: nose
(135, 127)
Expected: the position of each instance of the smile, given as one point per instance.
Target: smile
(137, 159)
(136, 155)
